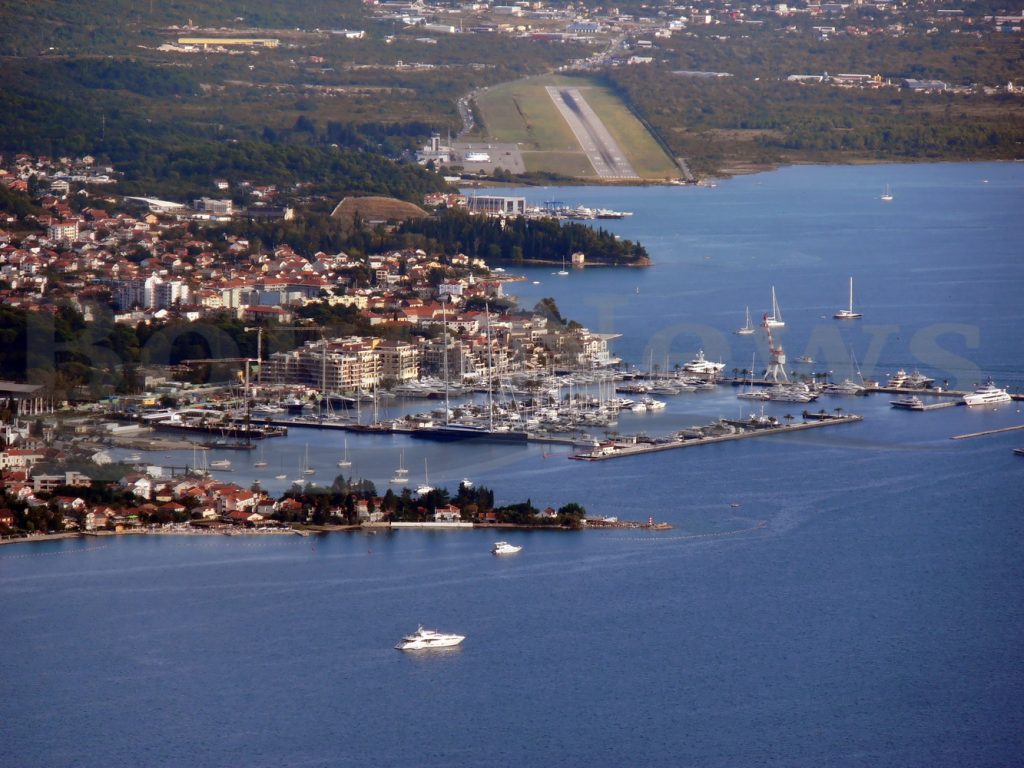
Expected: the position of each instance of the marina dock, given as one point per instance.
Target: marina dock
(937, 406)
(427, 434)
(618, 449)
(987, 432)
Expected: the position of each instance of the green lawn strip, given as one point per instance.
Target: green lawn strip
(523, 112)
(646, 156)
(574, 164)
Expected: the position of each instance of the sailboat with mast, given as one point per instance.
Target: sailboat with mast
(847, 386)
(199, 462)
(306, 469)
(750, 393)
(748, 328)
(848, 314)
(401, 476)
(887, 195)
(345, 461)
(563, 271)
(774, 320)
(425, 487)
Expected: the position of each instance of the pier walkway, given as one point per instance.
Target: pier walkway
(987, 432)
(619, 449)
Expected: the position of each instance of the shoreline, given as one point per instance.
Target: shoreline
(597, 524)
(741, 169)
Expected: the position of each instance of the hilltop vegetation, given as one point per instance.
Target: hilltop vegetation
(90, 78)
(522, 240)
(320, 108)
(720, 125)
(754, 116)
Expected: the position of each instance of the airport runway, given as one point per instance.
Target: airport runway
(601, 149)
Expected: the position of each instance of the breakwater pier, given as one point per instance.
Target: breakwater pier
(719, 432)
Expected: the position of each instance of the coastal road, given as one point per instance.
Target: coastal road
(601, 149)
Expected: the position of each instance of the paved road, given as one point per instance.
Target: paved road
(601, 149)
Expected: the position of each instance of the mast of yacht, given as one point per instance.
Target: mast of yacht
(248, 410)
(851, 294)
(323, 379)
(444, 322)
(490, 373)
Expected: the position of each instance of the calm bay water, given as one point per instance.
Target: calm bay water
(873, 620)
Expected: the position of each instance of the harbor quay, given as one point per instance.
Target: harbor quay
(730, 430)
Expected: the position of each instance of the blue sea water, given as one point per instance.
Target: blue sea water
(845, 597)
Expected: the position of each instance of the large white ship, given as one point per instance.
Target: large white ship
(987, 394)
(423, 639)
(701, 365)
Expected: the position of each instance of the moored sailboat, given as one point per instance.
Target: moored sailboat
(425, 487)
(748, 328)
(401, 476)
(848, 313)
(774, 320)
(345, 461)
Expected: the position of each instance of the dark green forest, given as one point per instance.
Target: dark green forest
(715, 122)
(523, 240)
(512, 240)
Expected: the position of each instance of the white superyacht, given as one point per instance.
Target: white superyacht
(424, 639)
(987, 394)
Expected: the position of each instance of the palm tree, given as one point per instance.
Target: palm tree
(788, 417)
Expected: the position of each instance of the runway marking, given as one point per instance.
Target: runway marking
(597, 143)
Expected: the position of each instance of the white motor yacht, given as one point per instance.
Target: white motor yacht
(267, 411)
(845, 387)
(423, 639)
(987, 394)
(504, 548)
(897, 379)
(701, 365)
(755, 394)
(791, 393)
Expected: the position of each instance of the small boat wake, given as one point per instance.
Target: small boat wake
(759, 526)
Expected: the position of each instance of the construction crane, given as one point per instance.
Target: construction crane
(259, 341)
(247, 361)
(777, 366)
